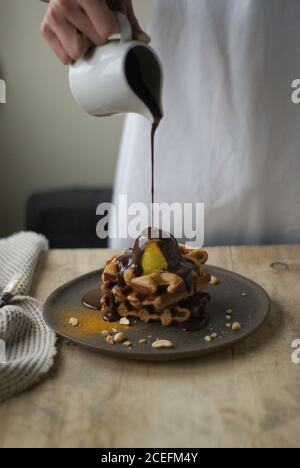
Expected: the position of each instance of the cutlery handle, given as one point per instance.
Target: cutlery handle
(13, 284)
(10, 290)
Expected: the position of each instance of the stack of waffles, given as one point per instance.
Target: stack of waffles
(168, 296)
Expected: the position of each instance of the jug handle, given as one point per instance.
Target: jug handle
(125, 27)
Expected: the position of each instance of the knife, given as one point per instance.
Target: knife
(10, 290)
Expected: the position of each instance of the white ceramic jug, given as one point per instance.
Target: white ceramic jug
(103, 84)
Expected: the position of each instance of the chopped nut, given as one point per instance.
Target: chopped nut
(105, 332)
(214, 335)
(208, 339)
(228, 325)
(119, 337)
(229, 311)
(236, 326)
(228, 317)
(142, 341)
(74, 322)
(115, 330)
(124, 321)
(110, 340)
(162, 344)
(127, 344)
(214, 281)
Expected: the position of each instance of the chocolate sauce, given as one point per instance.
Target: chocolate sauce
(196, 304)
(112, 315)
(153, 131)
(144, 77)
(91, 300)
(170, 250)
(194, 325)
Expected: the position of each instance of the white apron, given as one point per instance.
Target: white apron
(231, 134)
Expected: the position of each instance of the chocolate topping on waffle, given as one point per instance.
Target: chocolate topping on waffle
(155, 293)
(170, 249)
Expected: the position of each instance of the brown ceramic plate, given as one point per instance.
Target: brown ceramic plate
(249, 302)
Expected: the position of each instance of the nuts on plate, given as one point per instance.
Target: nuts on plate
(158, 344)
(124, 321)
(119, 337)
(74, 322)
(110, 340)
(208, 339)
(127, 344)
(214, 281)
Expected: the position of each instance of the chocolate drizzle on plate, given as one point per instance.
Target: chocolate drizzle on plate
(92, 299)
(196, 304)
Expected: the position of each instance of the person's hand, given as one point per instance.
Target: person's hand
(71, 27)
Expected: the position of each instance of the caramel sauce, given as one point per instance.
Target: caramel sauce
(91, 322)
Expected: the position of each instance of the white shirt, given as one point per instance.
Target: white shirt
(231, 134)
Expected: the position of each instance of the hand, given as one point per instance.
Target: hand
(71, 27)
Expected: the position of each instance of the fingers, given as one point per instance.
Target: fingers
(79, 19)
(74, 43)
(72, 26)
(138, 32)
(101, 17)
(126, 7)
(55, 44)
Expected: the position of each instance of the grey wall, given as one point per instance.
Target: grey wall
(45, 140)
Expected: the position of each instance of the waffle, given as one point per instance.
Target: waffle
(163, 296)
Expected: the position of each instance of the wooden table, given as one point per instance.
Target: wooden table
(248, 396)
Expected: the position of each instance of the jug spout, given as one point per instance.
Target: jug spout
(148, 114)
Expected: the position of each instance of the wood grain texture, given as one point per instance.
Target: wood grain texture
(248, 396)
